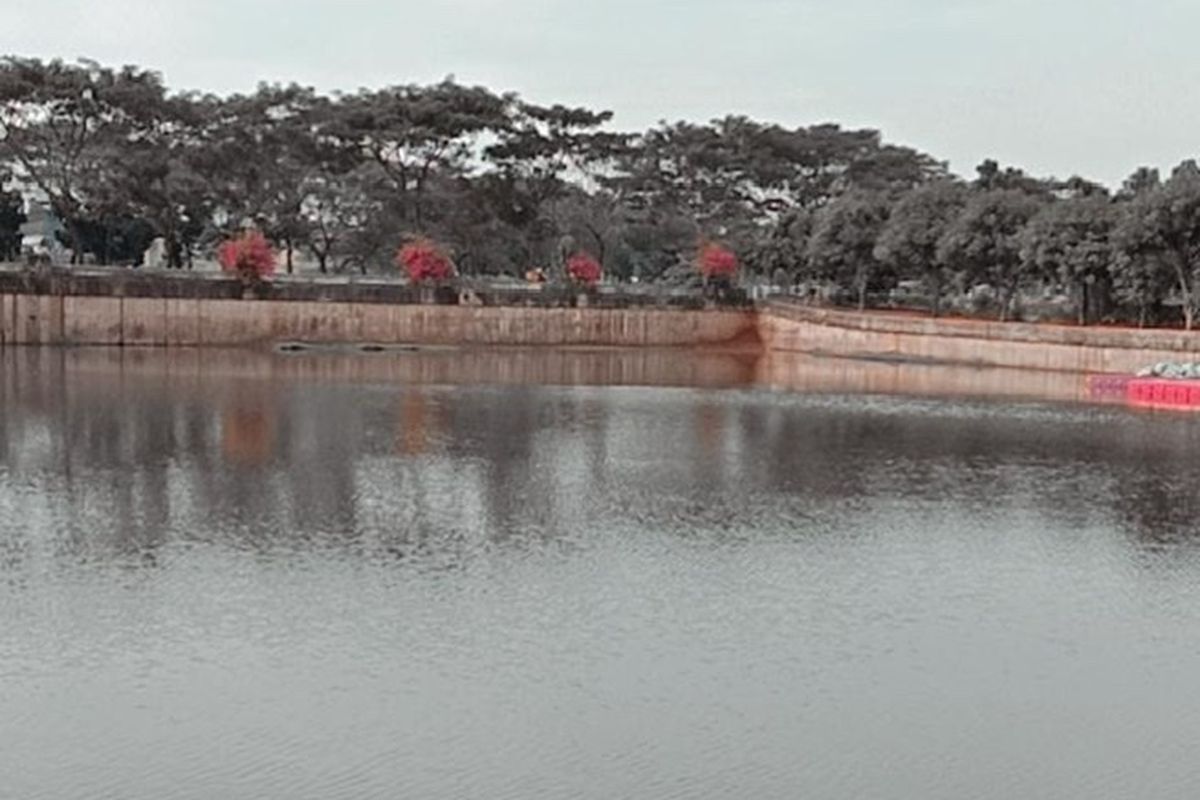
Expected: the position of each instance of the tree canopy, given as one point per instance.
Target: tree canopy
(508, 185)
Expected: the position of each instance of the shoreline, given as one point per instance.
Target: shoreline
(59, 307)
(883, 335)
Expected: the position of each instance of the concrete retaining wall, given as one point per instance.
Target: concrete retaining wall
(785, 326)
(31, 319)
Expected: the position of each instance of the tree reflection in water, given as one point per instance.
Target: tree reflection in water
(131, 451)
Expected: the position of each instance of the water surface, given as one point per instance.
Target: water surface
(596, 575)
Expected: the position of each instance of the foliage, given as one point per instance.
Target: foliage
(424, 260)
(12, 215)
(908, 242)
(985, 240)
(842, 246)
(716, 262)
(582, 268)
(990, 177)
(1143, 179)
(1140, 284)
(779, 252)
(1159, 235)
(1071, 241)
(339, 179)
(250, 256)
(62, 124)
(413, 134)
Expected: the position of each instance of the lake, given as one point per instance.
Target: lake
(593, 574)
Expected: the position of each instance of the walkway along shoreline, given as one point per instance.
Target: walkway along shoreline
(98, 311)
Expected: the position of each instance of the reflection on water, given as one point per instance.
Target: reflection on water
(527, 574)
(246, 433)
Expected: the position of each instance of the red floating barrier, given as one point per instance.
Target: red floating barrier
(1163, 393)
(1108, 387)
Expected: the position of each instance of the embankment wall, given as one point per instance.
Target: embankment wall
(785, 326)
(63, 308)
(39, 319)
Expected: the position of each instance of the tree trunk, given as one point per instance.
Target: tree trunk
(288, 248)
(1083, 303)
(76, 243)
(174, 252)
(1100, 298)
(600, 248)
(1182, 275)
(935, 290)
(862, 296)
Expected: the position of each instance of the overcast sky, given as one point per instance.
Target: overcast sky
(1095, 87)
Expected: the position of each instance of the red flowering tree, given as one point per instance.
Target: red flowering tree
(249, 256)
(717, 262)
(424, 260)
(584, 269)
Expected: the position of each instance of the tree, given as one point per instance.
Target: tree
(264, 155)
(1160, 230)
(543, 146)
(658, 244)
(1140, 281)
(12, 216)
(414, 133)
(990, 177)
(114, 237)
(842, 246)
(779, 253)
(592, 217)
(687, 170)
(1072, 240)
(338, 212)
(156, 183)
(1076, 187)
(737, 178)
(985, 239)
(543, 180)
(894, 169)
(64, 126)
(1143, 180)
(908, 242)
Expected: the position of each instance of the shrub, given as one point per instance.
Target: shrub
(584, 269)
(716, 261)
(424, 260)
(249, 256)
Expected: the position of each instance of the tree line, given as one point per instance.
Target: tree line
(509, 185)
